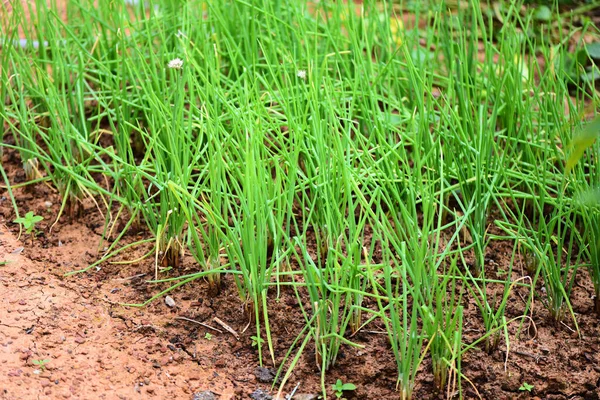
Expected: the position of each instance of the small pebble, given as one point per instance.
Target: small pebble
(169, 301)
(260, 394)
(206, 395)
(305, 396)
(265, 375)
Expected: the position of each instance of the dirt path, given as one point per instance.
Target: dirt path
(92, 351)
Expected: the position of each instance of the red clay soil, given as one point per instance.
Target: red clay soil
(96, 348)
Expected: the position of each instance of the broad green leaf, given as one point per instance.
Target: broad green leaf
(581, 141)
(589, 198)
(543, 13)
(591, 75)
(593, 49)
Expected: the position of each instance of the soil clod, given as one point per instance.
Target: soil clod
(260, 394)
(265, 375)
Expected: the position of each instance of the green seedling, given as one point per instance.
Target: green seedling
(208, 336)
(28, 222)
(339, 388)
(41, 363)
(257, 341)
(526, 387)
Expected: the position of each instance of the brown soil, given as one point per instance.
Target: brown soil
(97, 348)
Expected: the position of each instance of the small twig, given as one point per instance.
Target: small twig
(522, 353)
(536, 357)
(249, 317)
(247, 325)
(567, 326)
(227, 328)
(371, 332)
(199, 323)
(293, 392)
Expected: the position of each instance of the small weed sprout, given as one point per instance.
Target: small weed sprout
(257, 341)
(339, 388)
(28, 222)
(41, 363)
(208, 336)
(526, 387)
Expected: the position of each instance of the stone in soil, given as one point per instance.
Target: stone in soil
(169, 301)
(260, 394)
(206, 395)
(265, 375)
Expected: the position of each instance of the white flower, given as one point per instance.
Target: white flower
(301, 74)
(176, 63)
